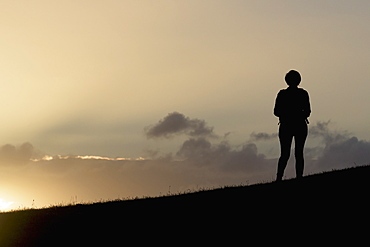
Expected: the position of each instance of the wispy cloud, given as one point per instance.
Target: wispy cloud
(328, 135)
(262, 136)
(81, 157)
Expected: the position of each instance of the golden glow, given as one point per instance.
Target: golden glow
(83, 157)
(5, 205)
(80, 80)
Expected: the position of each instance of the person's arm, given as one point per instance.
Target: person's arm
(307, 106)
(278, 106)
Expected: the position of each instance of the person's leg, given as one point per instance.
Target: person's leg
(285, 138)
(300, 139)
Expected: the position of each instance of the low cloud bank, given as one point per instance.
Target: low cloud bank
(204, 159)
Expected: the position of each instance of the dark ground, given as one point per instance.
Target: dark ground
(322, 209)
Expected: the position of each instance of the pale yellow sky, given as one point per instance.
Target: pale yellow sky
(86, 77)
(104, 63)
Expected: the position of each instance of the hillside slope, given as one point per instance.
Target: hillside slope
(323, 203)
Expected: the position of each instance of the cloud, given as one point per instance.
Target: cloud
(349, 152)
(12, 155)
(176, 124)
(337, 149)
(329, 136)
(202, 164)
(333, 149)
(200, 161)
(223, 156)
(262, 136)
(196, 149)
(202, 149)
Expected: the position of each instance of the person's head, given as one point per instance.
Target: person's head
(293, 78)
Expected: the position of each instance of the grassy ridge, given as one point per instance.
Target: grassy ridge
(266, 212)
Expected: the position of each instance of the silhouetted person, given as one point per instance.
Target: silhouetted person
(292, 106)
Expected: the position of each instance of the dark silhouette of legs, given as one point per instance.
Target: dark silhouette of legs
(286, 134)
(300, 139)
(285, 138)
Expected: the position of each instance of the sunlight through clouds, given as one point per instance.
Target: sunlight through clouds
(83, 157)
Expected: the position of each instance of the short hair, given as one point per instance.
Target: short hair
(293, 78)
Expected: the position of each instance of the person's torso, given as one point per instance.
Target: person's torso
(293, 101)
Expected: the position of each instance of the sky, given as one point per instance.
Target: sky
(108, 99)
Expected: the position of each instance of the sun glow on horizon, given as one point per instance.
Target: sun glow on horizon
(84, 157)
(5, 205)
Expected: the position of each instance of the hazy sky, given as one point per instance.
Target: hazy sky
(94, 77)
